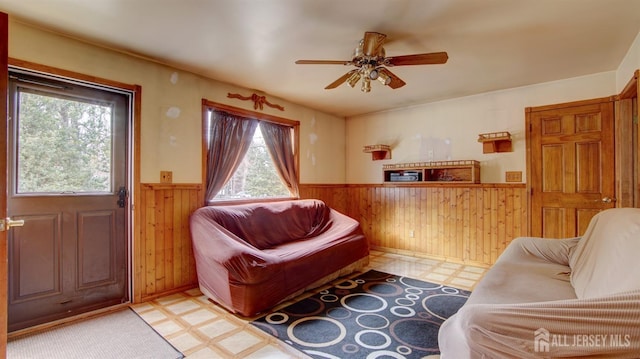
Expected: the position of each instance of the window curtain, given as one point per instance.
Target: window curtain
(280, 145)
(230, 137)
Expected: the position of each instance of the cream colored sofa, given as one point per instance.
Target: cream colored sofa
(550, 298)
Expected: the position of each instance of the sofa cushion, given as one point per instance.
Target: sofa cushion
(270, 224)
(606, 260)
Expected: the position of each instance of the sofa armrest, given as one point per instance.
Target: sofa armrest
(339, 225)
(215, 246)
(551, 250)
(605, 327)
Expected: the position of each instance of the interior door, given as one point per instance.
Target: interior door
(571, 165)
(67, 181)
(4, 24)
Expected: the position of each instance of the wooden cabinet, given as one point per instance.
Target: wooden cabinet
(466, 171)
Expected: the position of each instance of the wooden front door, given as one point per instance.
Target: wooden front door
(570, 165)
(67, 181)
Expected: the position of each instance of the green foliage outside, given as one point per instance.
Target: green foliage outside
(63, 145)
(256, 177)
(262, 179)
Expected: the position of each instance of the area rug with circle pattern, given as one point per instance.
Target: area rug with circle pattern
(374, 315)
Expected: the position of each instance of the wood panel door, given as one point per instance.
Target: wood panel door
(571, 165)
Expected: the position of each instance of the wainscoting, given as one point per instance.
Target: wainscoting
(462, 223)
(471, 223)
(163, 257)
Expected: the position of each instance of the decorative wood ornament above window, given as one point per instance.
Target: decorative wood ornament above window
(258, 101)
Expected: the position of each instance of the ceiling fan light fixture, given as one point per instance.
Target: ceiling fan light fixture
(371, 62)
(353, 79)
(366, 85)
(373, 74)
(384, 78)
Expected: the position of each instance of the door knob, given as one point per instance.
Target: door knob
(7, 223)
(607, 200)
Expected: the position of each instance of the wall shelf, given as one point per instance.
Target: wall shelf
(464, 171)
(495, 142)
(378, 152)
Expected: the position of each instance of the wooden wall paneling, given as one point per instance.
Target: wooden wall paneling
(486, 225)
(196, 198)
(508, 218)
(177, 228)
(501, 219)
(470, 243)
(465, 221)
(378, 228)
(412, 223)
(366, 214)
(458, 223)
(148, 216)
(443, 211)
(462, 223)
(365, 203)
(439, 212)
(160, 227)
(477, 238)
(169, 210)
(431, 221)
(387, 208)
(451, 224)
(165, 261)
(397, 210)
(422, 227)
(400, 223)
(437, 233)
(414, 229)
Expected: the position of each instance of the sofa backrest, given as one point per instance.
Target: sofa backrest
(265, 225)
(606, 260)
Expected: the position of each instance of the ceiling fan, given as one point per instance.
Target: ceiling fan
(371, 63)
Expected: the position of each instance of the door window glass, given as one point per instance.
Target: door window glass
(63, 144)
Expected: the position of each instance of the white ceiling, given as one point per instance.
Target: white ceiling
(492, 44)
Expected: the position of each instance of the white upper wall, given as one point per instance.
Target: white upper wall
(629, 65)
(171, 107)
(448, 130)
(330, 151)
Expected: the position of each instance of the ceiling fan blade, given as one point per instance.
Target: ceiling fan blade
(339, 81)
(324, 62)
(372, 43)
(418, 59)
(396, 82)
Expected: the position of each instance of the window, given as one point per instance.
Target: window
(68, 136)
(256, 176)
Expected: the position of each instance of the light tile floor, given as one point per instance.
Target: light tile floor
(201, 329)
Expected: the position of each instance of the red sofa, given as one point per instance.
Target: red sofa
(250, 257)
